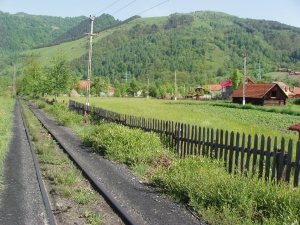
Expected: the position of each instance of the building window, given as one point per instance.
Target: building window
(274, 94)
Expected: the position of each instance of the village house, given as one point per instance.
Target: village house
(296, 92)
(287, 90)
(260, 94)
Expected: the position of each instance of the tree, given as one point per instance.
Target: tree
(33, 77)
(237, 79)
(59, 78)
(133, 87)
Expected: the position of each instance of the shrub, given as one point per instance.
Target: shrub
(297, 101)
(119, 143)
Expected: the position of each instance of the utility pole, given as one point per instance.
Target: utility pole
(175, 95)
(88, 83)
(14, 81)
(148, 88)
(259, 72)
(244, 86)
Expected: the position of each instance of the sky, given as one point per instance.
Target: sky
(284, 11)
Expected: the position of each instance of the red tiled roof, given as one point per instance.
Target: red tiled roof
(213, 87)
(296, 91)
(227, 83)
(81, 84)
(253, 90)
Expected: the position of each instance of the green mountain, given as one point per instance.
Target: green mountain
(202, 47)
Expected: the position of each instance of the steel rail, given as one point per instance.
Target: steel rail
(127, 219)
(38, 174)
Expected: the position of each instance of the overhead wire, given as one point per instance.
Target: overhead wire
(107, 7)
(124, 7)
(73, 42)
(153, 7)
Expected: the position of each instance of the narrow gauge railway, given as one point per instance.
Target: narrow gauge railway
(134, 201)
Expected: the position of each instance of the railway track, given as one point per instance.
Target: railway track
(133, 201)
(117, 208)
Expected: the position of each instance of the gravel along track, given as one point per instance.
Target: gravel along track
(141, 201)
(20, 201)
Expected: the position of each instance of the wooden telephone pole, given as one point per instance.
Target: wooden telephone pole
(88, 83)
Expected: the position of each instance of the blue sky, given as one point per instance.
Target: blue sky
(284, 11)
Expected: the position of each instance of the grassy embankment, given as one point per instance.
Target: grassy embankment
(5, 128)
(202, 183)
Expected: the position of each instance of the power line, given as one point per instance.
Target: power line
(124, 7)
(153, 7)
(107, 7)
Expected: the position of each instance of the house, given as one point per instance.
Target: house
(260, 94)
(285, 88)
(82, 84)
(282, 70)
(214, 89)
(296, 92)
(227, 89)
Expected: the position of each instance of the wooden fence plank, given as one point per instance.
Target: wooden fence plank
(255, 148)
(297, 166)
(274, 163)
(289, 161)
(221, 144)
(231, 151)
(237, 151)
(196, 140)
(216, 144)
(243, 153)
(268, 158)
(207, 142)
(226, 149)
(249, 144)
(281, 160)
(199, 141)
(188, 152)
(211, 150)
(203, 141)
(261, 156)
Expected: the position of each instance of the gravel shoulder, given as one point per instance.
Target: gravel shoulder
(20, 201)
(140, 200)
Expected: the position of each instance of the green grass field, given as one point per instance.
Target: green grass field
(203, 114)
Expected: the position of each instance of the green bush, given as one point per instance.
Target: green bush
(62, 115)
(41, 105)
(119, 143)
(297, 101)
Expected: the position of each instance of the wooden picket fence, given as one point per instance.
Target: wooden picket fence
(241, 154)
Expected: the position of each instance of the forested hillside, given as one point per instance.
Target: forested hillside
(203, 47)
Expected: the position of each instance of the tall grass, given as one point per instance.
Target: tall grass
(5, 128)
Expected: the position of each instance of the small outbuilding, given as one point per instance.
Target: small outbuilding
(260, 94)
